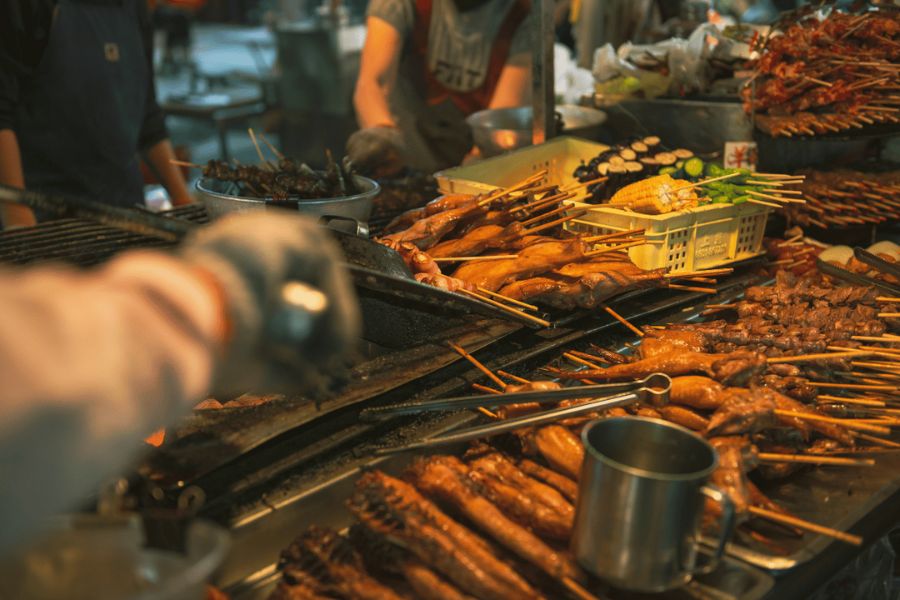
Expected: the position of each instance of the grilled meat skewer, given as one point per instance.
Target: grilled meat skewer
(397, 511)
(446, 478)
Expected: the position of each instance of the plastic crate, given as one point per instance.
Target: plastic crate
(697, 238)
(560, 156)
(689, 240)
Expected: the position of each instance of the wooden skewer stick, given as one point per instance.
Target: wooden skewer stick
(536, 204)
(271, 147)
(465, 258)
(872, 338)
(485, 389)
(528, 181)
(488, 413)
(848, 423)
(581, 361)
(515, 378)
(889, 315)
(706, 273)
(621, 320)
(551, 224)
(821, 356)
(690, 288)
(579, 184)
(854, 401)
(704, 182)
(852, 386)
(803, 524)
(881, 298)
(763, 203)
(768, 196)
(181, 163)
(543, 216)
(477, 364)
(507, 298)
(508, 309)
(262, 159)
(792, 192)
(778, 176)
(878, 441)
(814, 459)
(594, 253)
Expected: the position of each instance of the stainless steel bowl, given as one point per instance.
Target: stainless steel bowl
(500, 130)
(219, 198)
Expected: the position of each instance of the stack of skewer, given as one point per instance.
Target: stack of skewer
(845, 198)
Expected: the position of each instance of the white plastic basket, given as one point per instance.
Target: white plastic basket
(560, 156)
(689, 240)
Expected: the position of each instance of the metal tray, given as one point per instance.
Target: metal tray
(249, 572)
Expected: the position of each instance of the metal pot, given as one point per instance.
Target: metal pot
(219, 198)
(500, 130)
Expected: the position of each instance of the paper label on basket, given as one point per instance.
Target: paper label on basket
(740, 155)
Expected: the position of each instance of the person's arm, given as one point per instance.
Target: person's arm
(160, 157)
(154, 137)
(377, 74)
(92, 363)
(514, 86)
(12, 215)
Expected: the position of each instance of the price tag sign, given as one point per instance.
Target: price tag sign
(740, 155)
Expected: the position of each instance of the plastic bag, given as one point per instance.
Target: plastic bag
(869, 577)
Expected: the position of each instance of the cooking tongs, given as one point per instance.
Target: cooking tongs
(653, 389)
(888, 268)
(855, 278)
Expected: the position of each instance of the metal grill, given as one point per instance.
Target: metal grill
(81, 242)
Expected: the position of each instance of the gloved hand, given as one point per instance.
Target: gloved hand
(255, 259)
(377, 151)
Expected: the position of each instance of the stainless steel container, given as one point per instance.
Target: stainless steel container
(500, 130)
(219, 199)
(640, 498)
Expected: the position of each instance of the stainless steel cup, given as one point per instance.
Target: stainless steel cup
(641, 494)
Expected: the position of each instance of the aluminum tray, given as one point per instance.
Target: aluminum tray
(266, 534)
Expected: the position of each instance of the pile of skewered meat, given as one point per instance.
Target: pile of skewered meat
(791, 254)
(843, 198)
(563, 271)
(289, 179)
(828, 75)
(626, 163)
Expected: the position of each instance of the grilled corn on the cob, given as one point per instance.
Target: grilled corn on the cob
(655, 195)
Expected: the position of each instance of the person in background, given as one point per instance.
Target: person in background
(426, 65)
(78, 103)
(94, 361)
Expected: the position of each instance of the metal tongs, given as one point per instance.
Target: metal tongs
(653, 389)
(888, 268)
(856, 278)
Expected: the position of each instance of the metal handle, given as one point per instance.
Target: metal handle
(726, 525)
(297, 318)
(362, 229)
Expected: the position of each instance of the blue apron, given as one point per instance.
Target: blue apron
(80, 116)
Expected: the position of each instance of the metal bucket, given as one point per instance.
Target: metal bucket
(500, 130)
(220, 199)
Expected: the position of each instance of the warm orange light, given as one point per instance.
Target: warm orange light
(156, 438)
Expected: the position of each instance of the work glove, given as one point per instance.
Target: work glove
(377, 151)
(263, 263)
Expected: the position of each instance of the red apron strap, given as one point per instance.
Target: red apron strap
(478, 99)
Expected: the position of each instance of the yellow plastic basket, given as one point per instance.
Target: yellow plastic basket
(560, 156)
(699, 238)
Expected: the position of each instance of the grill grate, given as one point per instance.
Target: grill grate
(81, 242)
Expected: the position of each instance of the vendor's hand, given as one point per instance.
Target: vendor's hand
(254, 260)
(377, 151)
